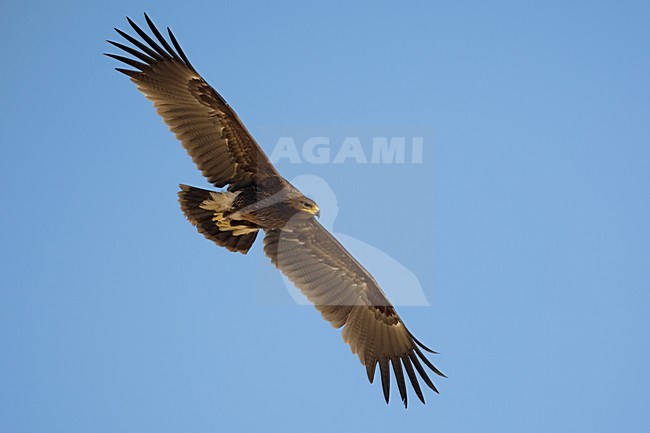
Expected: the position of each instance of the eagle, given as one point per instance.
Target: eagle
(252, 196)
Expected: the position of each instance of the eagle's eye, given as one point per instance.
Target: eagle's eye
(307, 205)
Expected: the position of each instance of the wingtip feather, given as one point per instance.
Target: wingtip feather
(370, 370)
(128, 72)
(419, 343)
(429, 363)
(399, 377)
(413, 377)
(385, 378)
(423, 374)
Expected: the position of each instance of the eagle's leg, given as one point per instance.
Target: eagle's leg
(238, 227)
(227, 219)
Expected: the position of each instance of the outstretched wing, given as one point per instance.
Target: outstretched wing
(347, 295)
(209, 129)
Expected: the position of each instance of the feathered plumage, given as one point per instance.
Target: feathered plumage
(259, 198)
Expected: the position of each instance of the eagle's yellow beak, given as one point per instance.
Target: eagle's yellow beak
(315, 210)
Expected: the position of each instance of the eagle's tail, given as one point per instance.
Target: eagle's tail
(196, 204)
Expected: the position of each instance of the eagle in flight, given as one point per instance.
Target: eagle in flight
(254, 197)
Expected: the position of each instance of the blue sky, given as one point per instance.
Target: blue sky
(530, 237)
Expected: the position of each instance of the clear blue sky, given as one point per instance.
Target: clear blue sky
(530, 236)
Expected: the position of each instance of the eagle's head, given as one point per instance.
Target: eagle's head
(304, 204)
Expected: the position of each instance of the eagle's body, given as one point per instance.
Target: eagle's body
(258, 198)
(245, 211)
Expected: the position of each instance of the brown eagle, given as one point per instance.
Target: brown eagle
(256, 197)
